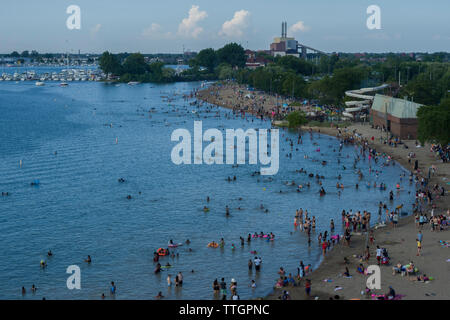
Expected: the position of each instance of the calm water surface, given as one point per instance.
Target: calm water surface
(80, 208)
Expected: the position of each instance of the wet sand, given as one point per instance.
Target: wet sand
(399, 242)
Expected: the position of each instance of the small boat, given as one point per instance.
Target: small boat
(40, 83)
(63, 84)
(133, 83)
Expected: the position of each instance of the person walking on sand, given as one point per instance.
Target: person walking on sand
(395, 219)
(420, 236)
(308, 287)
(379, 254)
(419, 247)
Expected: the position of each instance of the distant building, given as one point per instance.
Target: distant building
(288, 46)
(399, 116)
(254, 61)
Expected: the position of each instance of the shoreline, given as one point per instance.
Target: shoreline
(334, 258)
(400, 243)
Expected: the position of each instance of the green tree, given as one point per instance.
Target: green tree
(296, 119)
(293, 85)
(135, 64)
(206, 58)
(224, 71)
(295, 64)
(434, 122)
(232, 54)
(25, 54)
(423, 90)
(109, 63)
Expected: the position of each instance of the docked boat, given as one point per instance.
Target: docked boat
(40, 83)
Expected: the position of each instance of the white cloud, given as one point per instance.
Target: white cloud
(235, 27)
(299, 26)
(151, 31)
(188, 26)
(155, 32)
(95, 29)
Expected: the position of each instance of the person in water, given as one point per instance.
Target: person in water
(113, 288)
(88, 260)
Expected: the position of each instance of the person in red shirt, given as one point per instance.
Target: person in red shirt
(324, 247)
(308, 287)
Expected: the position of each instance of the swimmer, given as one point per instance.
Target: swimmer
(88, 260)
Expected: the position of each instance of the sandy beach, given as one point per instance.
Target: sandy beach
(238, 97)
(400, 242)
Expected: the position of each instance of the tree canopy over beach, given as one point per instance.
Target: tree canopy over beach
(434, 123)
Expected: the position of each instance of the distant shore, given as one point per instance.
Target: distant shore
(400, 242)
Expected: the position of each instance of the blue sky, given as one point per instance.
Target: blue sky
(151, 26)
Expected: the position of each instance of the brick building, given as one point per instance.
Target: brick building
(399, 116)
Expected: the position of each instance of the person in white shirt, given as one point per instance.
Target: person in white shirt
(257, 263)
(379, 254)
